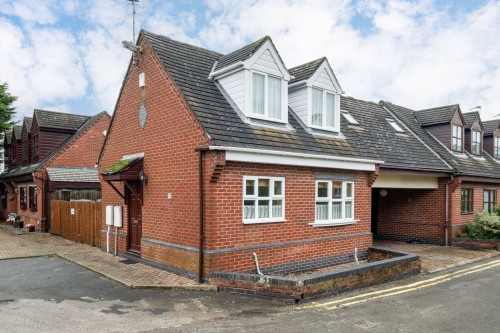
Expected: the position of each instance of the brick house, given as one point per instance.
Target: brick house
(460, 140)
(55, 157)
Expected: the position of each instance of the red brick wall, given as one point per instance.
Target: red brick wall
(168, 142)
(225, 228)
(407, 214)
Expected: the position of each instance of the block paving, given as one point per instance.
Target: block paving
(16, 244)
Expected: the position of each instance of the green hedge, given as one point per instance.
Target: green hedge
(485, 226)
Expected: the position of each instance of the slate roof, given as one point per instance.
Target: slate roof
(189, 67)
(305, 71)
(28, 121)
(8, 136)
(464, 164)
(241, 54)
(490, 126)
(435, 116)
(53, 119)
(18, 130)
(469, 118)
(73, 174)
(378, 140)
(24, 170)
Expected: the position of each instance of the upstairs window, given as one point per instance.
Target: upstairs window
(456, 141)
(496, 147)
(334, 201)
(22, 197)
(263, 199)
(266, 96)
(35, 146)
(32, 197)
(467, 200)
(323, 108)
(395, 126)
(347, 116)
(476, 142)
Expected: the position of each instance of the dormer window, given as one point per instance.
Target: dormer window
(347, 116)
(266, 96)
(496, 147)
(476, 142)
(457, 138)
(395, 126)
(323, 108)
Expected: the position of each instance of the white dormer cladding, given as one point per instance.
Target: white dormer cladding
(316, 100)
(258, 85)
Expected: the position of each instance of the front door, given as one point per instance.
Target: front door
(134, 217)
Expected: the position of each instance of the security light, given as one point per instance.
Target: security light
(131, 46)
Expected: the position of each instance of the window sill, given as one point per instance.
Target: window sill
(333, 223)
(467, 213)
(280, 220)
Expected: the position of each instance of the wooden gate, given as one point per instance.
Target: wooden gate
(79, 221)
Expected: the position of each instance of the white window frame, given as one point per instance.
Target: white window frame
(395, 125)
(324, 92)
(350, 119)
(477, 142)
(330, 221)
(455, 139)
(255, 197)
(496, 147)
(266, 116)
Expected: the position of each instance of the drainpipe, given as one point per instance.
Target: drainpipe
(202, 213)
(447, 219)
(44, 200)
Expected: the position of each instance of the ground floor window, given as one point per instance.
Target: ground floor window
(32, 197)
(4, 197)
(22, 197)
(334, 201)
(467, 200)
(263, 199)
(489, 200)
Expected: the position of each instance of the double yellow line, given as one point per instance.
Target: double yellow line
(402, 289)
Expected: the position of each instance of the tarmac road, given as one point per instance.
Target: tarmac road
(48, 294)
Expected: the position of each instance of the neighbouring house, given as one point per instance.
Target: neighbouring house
(458, 138)
(235, 157)
(491, 138)
(54, 157)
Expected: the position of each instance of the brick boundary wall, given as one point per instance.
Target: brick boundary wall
(392, 266)
(476, 244)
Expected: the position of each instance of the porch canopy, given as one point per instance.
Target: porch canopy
(125, 170)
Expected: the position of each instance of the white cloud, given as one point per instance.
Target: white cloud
(29, 11)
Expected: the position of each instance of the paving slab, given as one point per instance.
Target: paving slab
(136, 275)
(436, 258)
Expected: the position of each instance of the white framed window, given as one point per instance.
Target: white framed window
(496, 147)
(476, 142)
(456, 138)
(267, 96)
(322, 108)
(263, 199)
(349, 118)
(334, 202)
(395, 126)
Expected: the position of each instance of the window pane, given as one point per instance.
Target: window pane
(348, 210)
(278, 184)
(249, 210)
(321, 211)
(317, 107)
(348, 190)
(322, 190)
(330, 110)
(277, 208)
(263, 187)
(263, 208)
(250, 187)
(274, 97)
(258, 93)
(336, 210)
(336, 190)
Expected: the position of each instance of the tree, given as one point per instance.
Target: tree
(7, 111)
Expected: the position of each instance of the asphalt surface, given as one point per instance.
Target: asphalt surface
(48, 294)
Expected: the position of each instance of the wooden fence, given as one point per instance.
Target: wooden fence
(79, 221)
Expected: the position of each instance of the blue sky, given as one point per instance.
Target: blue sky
(418, 54)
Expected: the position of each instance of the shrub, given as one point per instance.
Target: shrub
(485, 226)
